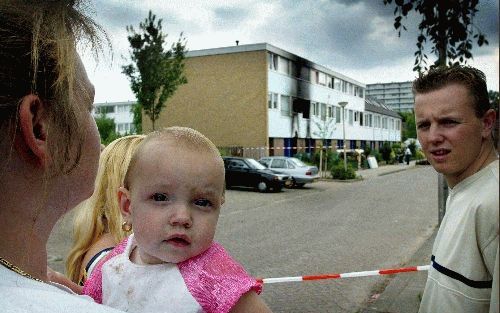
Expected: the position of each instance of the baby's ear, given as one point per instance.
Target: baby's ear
(124, 202)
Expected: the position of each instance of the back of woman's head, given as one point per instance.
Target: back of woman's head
(101, 212)
(38, 56)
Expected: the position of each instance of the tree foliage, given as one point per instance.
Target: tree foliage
(494, 99)
(106, 127)
(154, 72)
(448, 25)
(409, 127)
(136, 111)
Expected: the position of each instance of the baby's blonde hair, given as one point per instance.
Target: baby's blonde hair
(101, 212)
(184, 137)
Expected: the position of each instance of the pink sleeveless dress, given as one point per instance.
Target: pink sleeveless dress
(209, 282)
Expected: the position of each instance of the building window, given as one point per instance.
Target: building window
(384, 122)
(272, 100)
(344, 86)
(337, 115)
(398, 124)
(315, 108)
(351, 117)
(356, 116)
(285, 105)
(336, 84)
(284, 65)
(323, 111)
(105, 109)
(330, 81)
(360, 118)
(273, 61)
(330, 113)
(321, 78)
(368, 120)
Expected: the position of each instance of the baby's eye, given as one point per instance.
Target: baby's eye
(203, 202)
(159, 197)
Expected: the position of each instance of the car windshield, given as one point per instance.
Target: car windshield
(297, 162)
(256, 164)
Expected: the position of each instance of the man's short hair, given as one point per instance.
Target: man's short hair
(471, 78)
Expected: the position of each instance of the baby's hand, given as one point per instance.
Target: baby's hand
(59, 278)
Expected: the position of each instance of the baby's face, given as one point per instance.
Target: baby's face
(175, 199)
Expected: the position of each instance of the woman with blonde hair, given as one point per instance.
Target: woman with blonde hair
(97, 226)
(49, 145)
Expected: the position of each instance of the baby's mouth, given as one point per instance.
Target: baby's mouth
(179, 240)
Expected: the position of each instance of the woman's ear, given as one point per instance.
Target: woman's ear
(124, 202)
(32, 140)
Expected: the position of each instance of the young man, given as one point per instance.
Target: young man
(454, 126)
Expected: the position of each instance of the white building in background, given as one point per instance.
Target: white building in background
(120, 112)
(267, 101)
(396, 95)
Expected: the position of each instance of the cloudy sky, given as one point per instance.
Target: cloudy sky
(353, 37)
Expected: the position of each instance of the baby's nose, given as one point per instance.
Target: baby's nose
(181, 216)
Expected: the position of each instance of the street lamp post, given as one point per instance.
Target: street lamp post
(343, 104)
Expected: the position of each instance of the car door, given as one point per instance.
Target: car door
(279, 166)
(239, 171)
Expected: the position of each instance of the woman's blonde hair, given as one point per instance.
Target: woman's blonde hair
(38, 56)
(101, 212)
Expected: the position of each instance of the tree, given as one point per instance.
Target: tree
(409, 128)
(106, 127)
(154, 72)
(136, 111)
(448, 25)
(494, 99)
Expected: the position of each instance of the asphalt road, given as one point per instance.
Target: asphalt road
(329, 227)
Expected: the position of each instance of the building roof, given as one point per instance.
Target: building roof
(274, 49)
(373, 105)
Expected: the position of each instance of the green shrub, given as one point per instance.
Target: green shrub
(419, 155)
(330, 156)
(413, 147)
(368, 150)
(386, 151)
(338, 172)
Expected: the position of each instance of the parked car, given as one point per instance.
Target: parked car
(301, 173)
(247, 172)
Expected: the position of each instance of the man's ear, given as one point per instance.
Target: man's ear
(488, 121)
(31, 142)
(124, 202)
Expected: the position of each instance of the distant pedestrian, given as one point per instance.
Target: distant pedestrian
(407, 156)
(454, 122)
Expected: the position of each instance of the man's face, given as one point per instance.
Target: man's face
(450, 133)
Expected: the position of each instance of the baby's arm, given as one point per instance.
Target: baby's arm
(250, 302)
(59, 278)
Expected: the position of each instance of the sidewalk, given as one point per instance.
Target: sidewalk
(374, 172)
(404, 292)
(384, 170)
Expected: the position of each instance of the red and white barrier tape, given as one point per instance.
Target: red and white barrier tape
(344, 275)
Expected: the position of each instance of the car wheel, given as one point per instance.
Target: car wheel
(291, 184)
(262, 186)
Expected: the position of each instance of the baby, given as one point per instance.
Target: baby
(172, 194)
